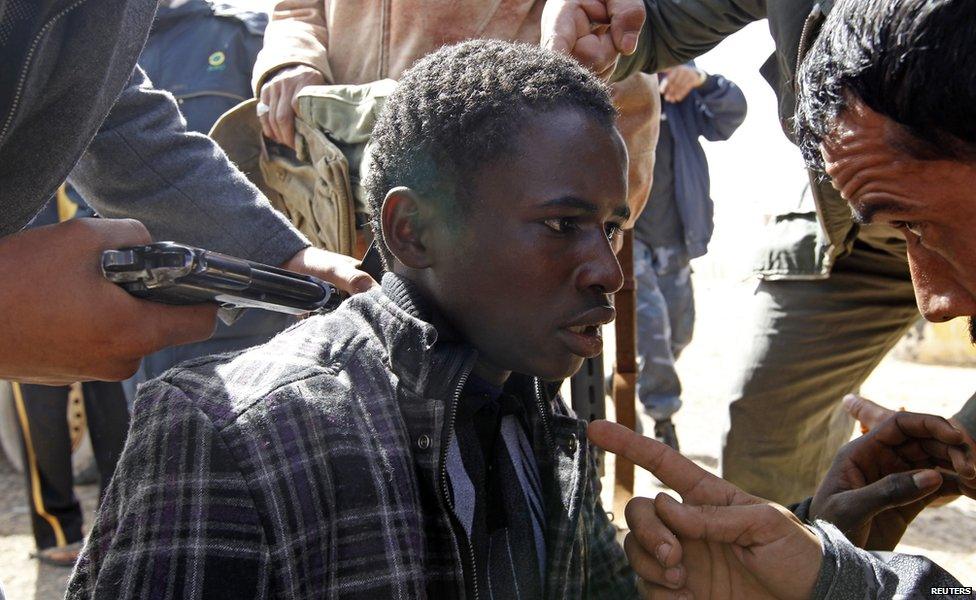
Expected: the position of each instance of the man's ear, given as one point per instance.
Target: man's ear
(403, 222)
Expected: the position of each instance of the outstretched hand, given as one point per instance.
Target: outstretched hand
(720, 543)
(880, 482)
(594, 32)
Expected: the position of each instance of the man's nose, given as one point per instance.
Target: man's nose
(600, 268)
(939, 295)
(939, 306)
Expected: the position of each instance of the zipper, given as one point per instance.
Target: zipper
(27, 63)
(803, 47)
(451, 418)
(541, 403)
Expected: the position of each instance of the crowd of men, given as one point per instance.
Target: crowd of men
(413, 443)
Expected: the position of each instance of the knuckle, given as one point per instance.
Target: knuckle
(887, 490)
(770, 513)
(638, 557)
(123, 370)
(138, 230)
(631, 545)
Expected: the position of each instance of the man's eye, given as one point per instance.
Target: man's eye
(562, 224)
(910, 226)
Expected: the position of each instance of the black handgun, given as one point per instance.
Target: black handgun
(174, 273)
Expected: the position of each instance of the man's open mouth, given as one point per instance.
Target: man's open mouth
(583, 340)
(583, 335)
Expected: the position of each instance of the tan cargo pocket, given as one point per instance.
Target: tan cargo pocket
(333, 206)
(292, 185)
(316, 197)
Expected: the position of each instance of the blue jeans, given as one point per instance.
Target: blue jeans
(665, 323)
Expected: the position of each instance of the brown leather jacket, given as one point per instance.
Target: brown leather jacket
(358, 41)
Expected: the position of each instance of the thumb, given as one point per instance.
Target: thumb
(897, 489)
(742, 525)
(626, 21)
(559, 27)
(350, 279)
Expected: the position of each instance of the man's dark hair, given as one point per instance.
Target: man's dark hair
(461, 107)
(911, 61)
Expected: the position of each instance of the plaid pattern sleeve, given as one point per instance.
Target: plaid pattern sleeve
(610, 575)
(177, 520)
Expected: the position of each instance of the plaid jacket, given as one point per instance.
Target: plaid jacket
(313, 467)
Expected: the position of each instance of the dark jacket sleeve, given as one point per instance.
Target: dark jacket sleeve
(720, 107)
(177, 520)
(676, 32)
(144, 165)
(967, 417)
(849, 572)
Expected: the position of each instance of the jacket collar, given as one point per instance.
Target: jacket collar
(426, 358)
(431, 367)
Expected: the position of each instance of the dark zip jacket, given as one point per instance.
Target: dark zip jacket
(713, 111)
(315, 466)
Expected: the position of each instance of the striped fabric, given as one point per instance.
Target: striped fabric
(312, 467)
(497, 494)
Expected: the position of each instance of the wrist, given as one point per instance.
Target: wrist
(293, 69)
(965, 419)
(702, 77)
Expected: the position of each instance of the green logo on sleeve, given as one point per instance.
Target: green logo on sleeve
(216, 61)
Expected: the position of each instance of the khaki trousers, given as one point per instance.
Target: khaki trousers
(813, 342)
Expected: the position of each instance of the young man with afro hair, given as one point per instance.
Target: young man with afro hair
(411, 443)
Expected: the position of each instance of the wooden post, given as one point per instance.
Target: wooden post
(625, 374)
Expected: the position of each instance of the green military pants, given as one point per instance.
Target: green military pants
(812, 342)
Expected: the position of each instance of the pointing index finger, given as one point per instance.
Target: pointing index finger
(695, 484)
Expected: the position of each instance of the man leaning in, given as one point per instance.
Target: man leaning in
(833, 297)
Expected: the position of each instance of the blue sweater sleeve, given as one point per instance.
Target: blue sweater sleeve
(848, 572)
(143, 164)
(720, 107)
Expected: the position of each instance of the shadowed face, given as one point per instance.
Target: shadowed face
(526, 273)
(932, 203)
